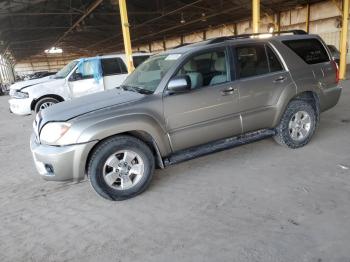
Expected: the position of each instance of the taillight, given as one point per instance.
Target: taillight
(335, 65)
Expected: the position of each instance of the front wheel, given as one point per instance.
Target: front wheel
(297, 125)
(45, 103)
(121, 167)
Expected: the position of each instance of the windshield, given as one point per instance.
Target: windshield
(148, 75)
(64, 72)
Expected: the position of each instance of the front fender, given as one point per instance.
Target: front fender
(57, 88)
(107, 127)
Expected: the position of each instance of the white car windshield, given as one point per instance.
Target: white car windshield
(64, 72)
(147, 76)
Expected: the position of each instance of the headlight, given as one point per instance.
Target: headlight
(19, 94)
(52, 132)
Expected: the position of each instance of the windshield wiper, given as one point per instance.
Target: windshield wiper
(128, 88)
(136, 89)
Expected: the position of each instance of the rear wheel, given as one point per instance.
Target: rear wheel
(45, 103)
(297, 125)
(121, 167)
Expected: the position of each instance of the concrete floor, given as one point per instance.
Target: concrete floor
(258, 202)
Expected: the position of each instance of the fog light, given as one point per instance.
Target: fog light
(49, 169)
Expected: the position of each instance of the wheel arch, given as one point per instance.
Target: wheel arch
(139, 134)
(35, 101)
(312, 98)
(309, 96)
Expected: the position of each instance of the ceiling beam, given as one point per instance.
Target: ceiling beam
(37, 13)
(88, 11)
(181, 25)
(145, 23)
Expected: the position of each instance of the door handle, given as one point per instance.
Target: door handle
(279, 79)
(228, 91)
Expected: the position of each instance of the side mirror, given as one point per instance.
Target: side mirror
(179, 84)
(76, 77)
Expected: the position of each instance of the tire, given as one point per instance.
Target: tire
(294, 129)
(107, 164)
(44, 103)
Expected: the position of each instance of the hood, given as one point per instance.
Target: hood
(79, 106)
(23, 84)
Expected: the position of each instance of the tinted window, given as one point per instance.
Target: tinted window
(206, 69)
(252, 61)
(274, 63)
(113, 66)
(138, 60)
(310, 50)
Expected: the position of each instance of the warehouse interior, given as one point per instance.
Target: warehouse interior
(255, 201)
(85, 28)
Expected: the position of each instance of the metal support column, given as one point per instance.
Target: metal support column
(278, 21)
(256, 15)
(344, 38)
(126, 34)
(307, 26)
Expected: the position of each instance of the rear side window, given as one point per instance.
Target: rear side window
(113, 66)
(138, 60)
(310, 50)
(274, 63)
(252, 61)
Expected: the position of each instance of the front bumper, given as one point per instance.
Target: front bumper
(61, 163)
(21, 106)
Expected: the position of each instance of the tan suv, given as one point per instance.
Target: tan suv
(187, 102)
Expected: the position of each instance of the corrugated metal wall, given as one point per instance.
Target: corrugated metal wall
(51, 63)
(325, 20)
(6, 71)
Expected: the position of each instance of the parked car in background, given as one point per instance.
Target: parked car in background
(188, 102)
(4, 89)
(78, 78)
(41, 74)
(335, 53)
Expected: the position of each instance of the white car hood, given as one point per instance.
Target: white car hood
(22, 84)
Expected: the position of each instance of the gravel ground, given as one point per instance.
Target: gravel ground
(258, 202)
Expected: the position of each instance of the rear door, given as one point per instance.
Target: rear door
(261, 80)
(210, 110)
(82, 81)
(114, 72)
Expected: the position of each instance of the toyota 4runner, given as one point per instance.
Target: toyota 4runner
(187, 102)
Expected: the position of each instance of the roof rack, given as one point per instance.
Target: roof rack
(242, 36)
(181, 45)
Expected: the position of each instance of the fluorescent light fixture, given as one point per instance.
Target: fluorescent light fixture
(54, 50)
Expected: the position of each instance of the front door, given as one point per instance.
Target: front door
(84, 81)
(210, 110)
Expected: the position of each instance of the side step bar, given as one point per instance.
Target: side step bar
(217, 146)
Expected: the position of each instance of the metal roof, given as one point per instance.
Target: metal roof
(28, 27)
